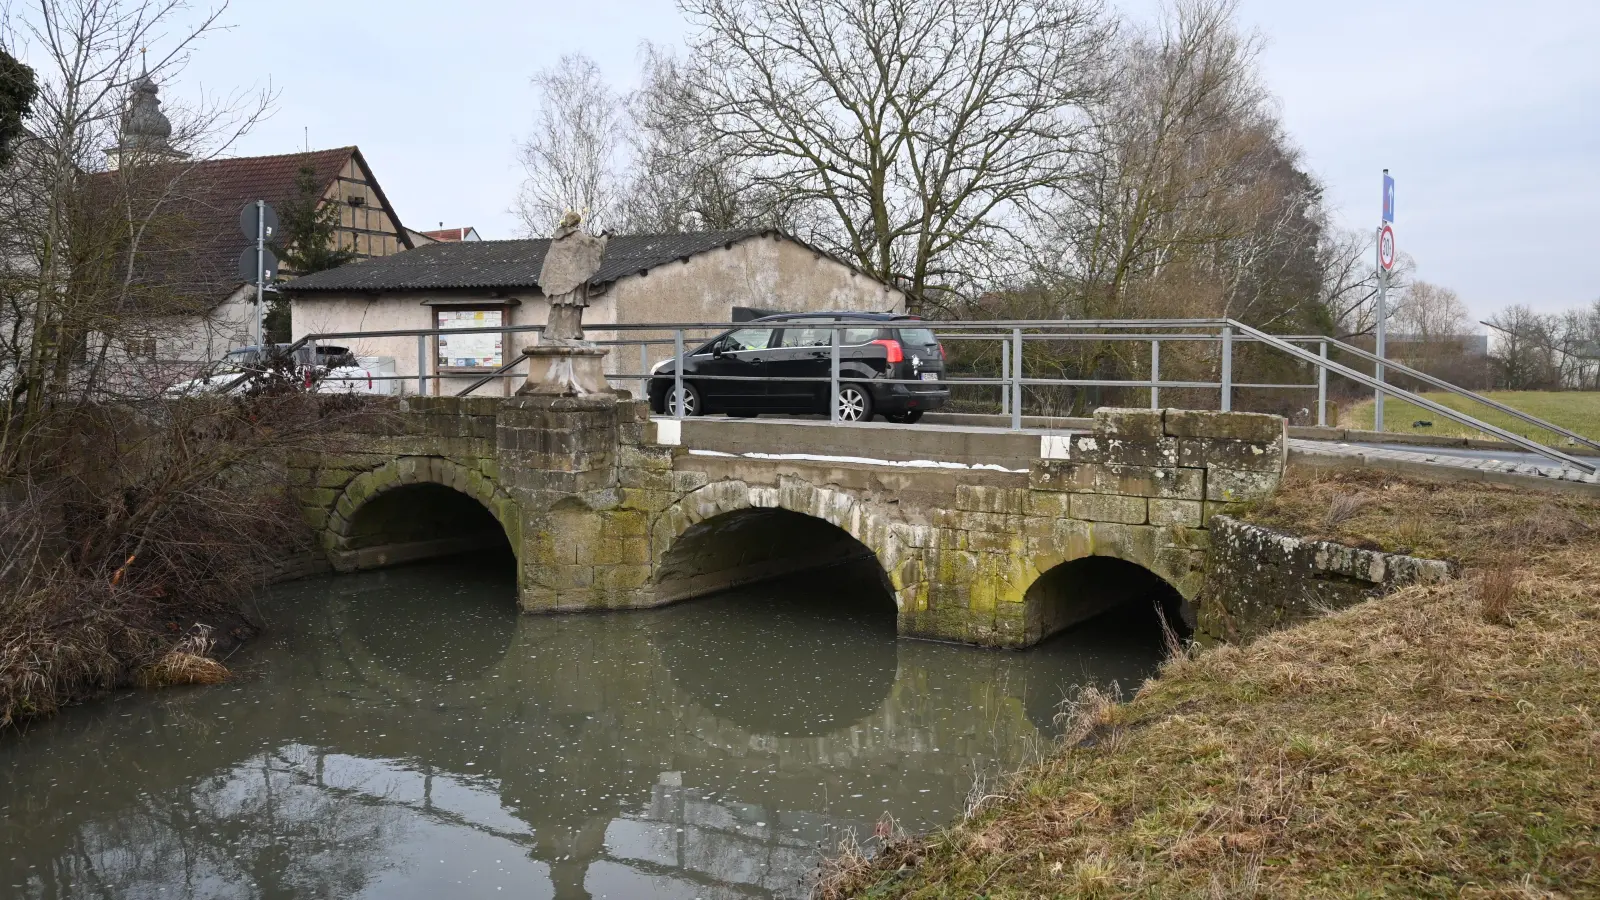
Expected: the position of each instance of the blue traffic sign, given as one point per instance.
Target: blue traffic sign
(1388, 197)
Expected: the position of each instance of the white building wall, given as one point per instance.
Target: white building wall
(762, 272)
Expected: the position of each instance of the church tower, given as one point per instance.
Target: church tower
(146, 131)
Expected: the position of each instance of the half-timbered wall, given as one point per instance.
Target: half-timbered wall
(367, 226)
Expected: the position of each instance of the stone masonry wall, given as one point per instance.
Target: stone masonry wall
(593, 502)
(1259, 579)
(961, 549)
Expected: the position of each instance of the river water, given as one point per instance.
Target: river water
(405, 734)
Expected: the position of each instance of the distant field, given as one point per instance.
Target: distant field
(1576, 410)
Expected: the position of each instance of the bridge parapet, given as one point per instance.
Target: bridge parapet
(972, 528)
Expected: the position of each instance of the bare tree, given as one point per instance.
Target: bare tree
(1431, 331)
(572, 157)
(1190, 203)
(1553, 351)
(914, 130)
(1429, 313)
(96, 262)
(1350, 281)
(1178, 141)
(684, 175)
(134, 510)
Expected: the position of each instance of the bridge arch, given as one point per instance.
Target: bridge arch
(727, 533)
(413, 508)
(1081, 588)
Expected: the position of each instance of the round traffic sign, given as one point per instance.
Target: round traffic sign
(247, 265)
(250, 220)
(1386, 247)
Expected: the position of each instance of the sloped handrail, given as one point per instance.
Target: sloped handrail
(1440, 383)
(1456, 416)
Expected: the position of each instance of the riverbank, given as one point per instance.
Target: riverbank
(1441, 741)
(132, 537)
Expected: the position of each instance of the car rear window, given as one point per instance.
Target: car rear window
(923, 336)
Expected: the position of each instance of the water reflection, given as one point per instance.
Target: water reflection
(404, 734)
(786, 661)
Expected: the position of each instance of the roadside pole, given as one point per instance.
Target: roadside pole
(261, 249)
(1385, 252)
(258, 265)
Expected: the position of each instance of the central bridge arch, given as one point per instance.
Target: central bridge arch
(731, 533)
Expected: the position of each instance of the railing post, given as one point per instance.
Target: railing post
(1005, 373)
(1322, 387)
(1155, 374)
(1016, 379)
(676, 407)
(422, 365)
(644, 371)
(1227, 368)
(833, 374)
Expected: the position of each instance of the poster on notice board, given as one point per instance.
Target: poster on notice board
(470, 351)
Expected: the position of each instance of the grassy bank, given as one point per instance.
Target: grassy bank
(1577, 411)
(1442, 741)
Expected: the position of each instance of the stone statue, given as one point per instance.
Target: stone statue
(573, 258)
(563, 364)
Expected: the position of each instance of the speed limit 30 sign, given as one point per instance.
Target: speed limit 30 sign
(1386, 247)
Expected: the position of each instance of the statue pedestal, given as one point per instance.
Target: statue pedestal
(565, 370)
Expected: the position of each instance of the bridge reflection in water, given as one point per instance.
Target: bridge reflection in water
(404, 733)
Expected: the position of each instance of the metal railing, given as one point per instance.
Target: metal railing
(1013, 337)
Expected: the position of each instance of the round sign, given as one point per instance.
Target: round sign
(247, 265)
(1386, 247)
(249, 220)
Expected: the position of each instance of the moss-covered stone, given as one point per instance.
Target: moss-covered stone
(1135, 424)
(1110, 508)
(1233, 426)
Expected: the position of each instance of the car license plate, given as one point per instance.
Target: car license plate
(930, 376)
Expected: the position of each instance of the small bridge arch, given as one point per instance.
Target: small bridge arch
(1076, 590)
(416, 507)
(729, 533)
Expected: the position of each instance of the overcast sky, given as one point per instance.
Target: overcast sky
(1487, 113)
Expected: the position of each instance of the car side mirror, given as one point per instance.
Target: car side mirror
(716, 350)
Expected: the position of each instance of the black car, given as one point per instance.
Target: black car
(765, 354)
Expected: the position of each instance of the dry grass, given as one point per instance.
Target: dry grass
(1439, 742)
(1341, 509)
(1446, 519)
(135, 522)
(188, 662)
(1495, 590)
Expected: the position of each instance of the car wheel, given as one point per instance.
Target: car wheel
(909, 417)
(691, 401)
(855, 404)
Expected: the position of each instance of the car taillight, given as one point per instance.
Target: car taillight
(941, 350)
(896, 354)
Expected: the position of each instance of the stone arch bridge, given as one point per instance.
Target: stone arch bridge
(984, 536)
